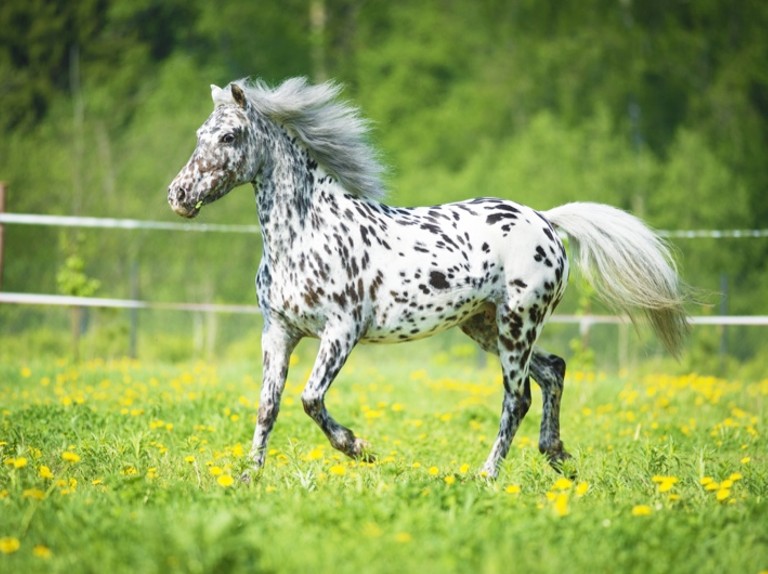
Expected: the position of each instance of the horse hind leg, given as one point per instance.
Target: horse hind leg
(331, 357)
(549, 372)
(514, 347)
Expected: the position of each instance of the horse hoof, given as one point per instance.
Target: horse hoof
(361, 451)
(250, 476)
(559, 461)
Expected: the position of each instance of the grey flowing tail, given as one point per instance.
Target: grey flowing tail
(630, 267)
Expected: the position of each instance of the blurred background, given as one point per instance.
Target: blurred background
(656, 106)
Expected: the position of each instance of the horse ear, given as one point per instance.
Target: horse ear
(218, 95)
(238, 94)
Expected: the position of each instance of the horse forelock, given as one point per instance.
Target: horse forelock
(333, 131)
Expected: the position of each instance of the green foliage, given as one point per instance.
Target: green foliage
(71, 278)
(657, 109)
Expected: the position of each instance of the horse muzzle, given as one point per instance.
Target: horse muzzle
(182, 203)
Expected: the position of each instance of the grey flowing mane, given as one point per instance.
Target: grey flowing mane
(333, 131)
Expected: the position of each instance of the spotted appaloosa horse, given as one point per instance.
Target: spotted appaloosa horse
(340, 266)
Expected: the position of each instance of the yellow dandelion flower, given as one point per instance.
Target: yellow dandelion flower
(667, 484)
(562, 484)
(464, 468)
(42, 551)
(561, 504)
(710, 486)
(641, 510)
(403, 537)
(130, 471)
(513, 489)
(225, 480)
(338, 470)
(723, 494)
(26, 372)
(416, 465)
(9, 545)
(16, 463)
(45, 472)
(433, 471)
(189, 459)
(315, 454)
(582, 488)
(735, 476)
(216, 470)
(449, 480)
(745, 460)
(706, 480)
(70, 457)
(35, 493)
(3, 493)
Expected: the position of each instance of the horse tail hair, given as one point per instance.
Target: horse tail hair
(630, 267)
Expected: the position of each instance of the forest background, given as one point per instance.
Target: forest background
(659, 107)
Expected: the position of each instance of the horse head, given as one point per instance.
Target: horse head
(227, 154)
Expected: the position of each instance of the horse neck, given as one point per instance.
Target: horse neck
(284, 191)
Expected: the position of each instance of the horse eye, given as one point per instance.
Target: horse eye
(228, 138)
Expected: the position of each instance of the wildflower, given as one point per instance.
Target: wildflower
(562, 484)
(433, 471)
(35, 493)
(449, 480)
(665, 483)
(16, 463)
(70, 457)
(513, 489)
(723, 494)
(745, 460)
(225, 480)
(403, 537)
(189, 459)
(216, 470)
(26, 372)
(560, 505)
(641, 510)
(464, 468)
(582, 488)
(735, 476)
(45, 472)
(42, 551)
(315, 454)
(9, 545)
(338, 470)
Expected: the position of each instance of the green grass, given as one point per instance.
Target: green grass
(118, 467)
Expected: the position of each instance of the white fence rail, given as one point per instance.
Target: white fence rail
(584, 321)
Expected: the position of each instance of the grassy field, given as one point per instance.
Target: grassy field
(130, 467)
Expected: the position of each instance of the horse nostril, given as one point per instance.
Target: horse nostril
(177, 194)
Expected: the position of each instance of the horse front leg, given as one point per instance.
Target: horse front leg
(335, 347)
(277, 346)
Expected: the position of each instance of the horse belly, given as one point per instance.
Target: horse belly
(407, 318)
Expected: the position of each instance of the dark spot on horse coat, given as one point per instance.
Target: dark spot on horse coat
(437, 280)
